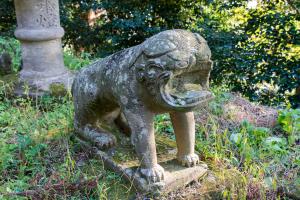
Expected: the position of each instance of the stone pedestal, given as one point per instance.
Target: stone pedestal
(122, 160)
(40, 34)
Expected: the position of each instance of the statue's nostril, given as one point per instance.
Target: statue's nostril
(182, 64)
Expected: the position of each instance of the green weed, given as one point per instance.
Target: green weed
(289, 120)
(74, 62)
(13, 48)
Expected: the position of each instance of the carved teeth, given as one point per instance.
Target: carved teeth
(191, 98)
(192, 95)
(181, 102)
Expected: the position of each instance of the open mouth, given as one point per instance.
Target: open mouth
(184, 90)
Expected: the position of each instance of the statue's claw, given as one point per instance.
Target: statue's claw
(189, 160)
(105, 140)
(154, 174)
(96, 136)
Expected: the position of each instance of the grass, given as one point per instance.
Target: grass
(38, 153)
(248, 162)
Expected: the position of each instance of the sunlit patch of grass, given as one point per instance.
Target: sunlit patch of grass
(37, 151)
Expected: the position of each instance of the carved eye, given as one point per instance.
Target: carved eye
(153, 70)
(151, 73)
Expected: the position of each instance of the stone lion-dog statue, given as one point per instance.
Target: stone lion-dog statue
(168, 73)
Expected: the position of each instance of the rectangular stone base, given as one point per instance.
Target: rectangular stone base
(176, 176)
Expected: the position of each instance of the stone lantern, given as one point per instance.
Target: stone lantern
(40, 34)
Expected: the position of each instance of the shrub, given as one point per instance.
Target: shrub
(126, 23)
(269, 63)
(12, 47)
(256, 51)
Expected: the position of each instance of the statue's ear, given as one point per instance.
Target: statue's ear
(199, 38)
(158, 47)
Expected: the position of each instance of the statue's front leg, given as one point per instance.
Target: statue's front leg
(184, 127)
(142, 137)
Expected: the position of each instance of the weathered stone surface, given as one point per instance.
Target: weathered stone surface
(168, 73)
(40, 34)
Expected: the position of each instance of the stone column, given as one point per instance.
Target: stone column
(40, 34)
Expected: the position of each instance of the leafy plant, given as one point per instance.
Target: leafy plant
(269, 55)
(74, 62)
(13, 48)
(289, 119)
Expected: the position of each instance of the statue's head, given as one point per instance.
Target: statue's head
(174, 67)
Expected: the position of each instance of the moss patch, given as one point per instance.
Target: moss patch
(57, 89)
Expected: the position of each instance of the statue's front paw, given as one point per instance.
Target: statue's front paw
(154, 174)
(105, 140)
(189, 160)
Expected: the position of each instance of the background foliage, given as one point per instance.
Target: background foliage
(7, 17)
(255, 49)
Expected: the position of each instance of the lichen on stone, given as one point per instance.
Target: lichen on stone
(140, 82)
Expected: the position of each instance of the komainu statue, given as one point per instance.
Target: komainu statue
(168, 73)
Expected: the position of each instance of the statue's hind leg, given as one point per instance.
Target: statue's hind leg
(85, 127)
